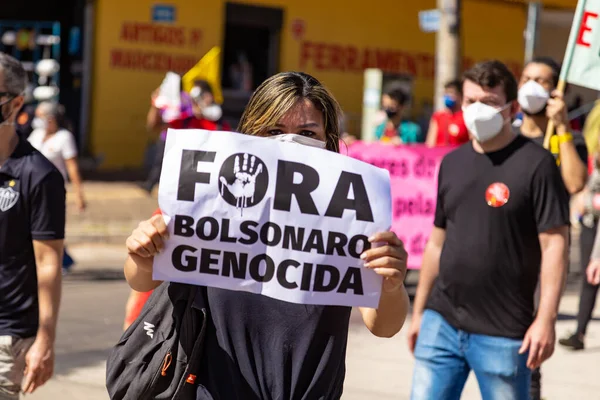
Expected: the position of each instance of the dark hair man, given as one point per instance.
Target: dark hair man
(32, 224)
(447, 126)
(541, 103)
(502, 212)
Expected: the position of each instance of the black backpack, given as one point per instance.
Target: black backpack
(158, 356)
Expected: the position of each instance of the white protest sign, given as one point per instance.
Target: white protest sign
(281, 219)
(581, 65)
(169, 97)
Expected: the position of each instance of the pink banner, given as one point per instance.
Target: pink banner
(413, 172)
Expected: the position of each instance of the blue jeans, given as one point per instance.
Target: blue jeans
(445, 356)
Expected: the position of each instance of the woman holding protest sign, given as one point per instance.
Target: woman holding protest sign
(257, 347)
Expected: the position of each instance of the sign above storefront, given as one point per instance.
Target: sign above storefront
(163, 13)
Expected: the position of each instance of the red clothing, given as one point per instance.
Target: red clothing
(191, 123)
(452, 130)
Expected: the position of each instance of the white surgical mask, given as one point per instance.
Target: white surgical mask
(533, 97)
(195, 93)
(299, 139)
(483, 121)
(38, 123)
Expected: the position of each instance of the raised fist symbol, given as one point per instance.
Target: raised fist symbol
(244, 185)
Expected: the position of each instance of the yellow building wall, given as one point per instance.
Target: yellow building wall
(131, 57)
(335, 43)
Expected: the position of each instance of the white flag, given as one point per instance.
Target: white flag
(582, 58)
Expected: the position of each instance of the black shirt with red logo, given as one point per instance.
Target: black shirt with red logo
(493, 207)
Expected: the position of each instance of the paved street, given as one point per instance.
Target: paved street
(93, 309)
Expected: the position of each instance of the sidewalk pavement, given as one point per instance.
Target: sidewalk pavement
(376, 368)
(113, 211)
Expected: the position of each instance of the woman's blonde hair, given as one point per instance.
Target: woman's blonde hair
(278, 94)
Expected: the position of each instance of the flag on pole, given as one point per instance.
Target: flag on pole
(208, 69)
(581, 64)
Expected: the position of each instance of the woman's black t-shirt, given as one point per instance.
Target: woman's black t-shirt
(262, 348)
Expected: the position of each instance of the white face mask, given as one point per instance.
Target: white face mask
(39, 123)
(299, 139)
(195, 93)
(483, 121)
(533, 97)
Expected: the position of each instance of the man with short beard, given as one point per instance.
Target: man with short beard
(32, 228)
(541, 102)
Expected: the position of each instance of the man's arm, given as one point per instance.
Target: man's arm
(553, 274)
(40, 357)
(47, 225)
(540, 337)
(430, 269)
(432, 133)
(573, 169)
(48, 260)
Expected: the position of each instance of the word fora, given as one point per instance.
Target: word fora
(287, 186)
(262, 268)
(272, 235)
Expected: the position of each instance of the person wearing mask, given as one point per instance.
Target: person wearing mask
(447, 126)
(52, 138)
(32, 228)
(204, 103)
(250, 351)
(26, 114)
(587, 204)
(395, 130)
(540, 103)
(198, 111)
(155, 123)
(501, 222)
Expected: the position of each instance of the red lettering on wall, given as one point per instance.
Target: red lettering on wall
(335, 57)
(385, 59)
(319, 56)
(195, 37)
(150, 61)
(154, 34)
(304, 53)
(352, 58)
(368, 56)
(584, 27)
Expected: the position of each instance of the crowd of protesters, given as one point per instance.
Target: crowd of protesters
(493, 270)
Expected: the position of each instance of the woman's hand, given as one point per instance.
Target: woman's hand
(388, 261)
(148, 238)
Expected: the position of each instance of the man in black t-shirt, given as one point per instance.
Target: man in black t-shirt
(541, 103)
(502, 212)
(32, 225)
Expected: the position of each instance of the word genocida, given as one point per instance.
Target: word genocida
(262, 267)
